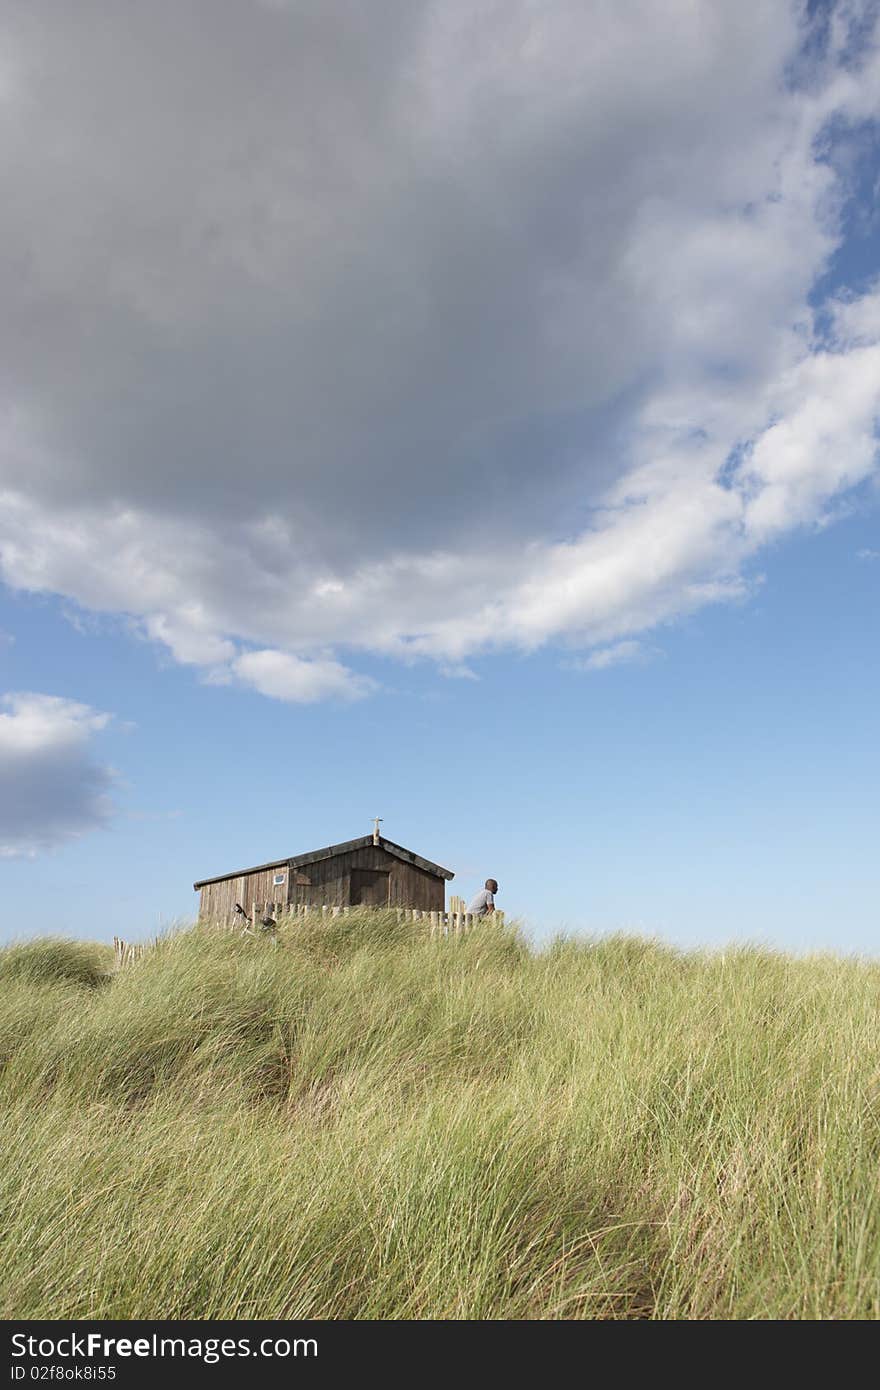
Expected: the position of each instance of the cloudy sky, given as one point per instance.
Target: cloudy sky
(443, 409)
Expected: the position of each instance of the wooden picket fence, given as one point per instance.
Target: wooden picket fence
(127, 951)
(454, 922)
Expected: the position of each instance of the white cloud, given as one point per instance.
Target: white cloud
(866, 553)
(51, 791)
(426, 333)
(618, 654)
(857, 320)
(823, 443)
(286, 677)
(187, 635)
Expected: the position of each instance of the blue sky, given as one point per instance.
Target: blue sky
(495, 451)
(725, 790)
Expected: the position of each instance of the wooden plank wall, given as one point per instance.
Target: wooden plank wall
(217, 900)
(329, 880)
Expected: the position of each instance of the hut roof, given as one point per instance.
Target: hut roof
(299, 861)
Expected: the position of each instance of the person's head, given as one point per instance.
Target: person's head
(492, 885)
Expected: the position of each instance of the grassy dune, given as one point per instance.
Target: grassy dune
(359, 1122)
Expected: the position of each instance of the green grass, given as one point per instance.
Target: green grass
(362, 1123)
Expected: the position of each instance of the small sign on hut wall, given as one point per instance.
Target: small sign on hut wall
(278, 879)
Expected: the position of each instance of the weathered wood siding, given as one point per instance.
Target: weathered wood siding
(330, 880)
(217, 900)
(326, 883)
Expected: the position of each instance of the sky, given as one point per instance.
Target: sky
(463, 413)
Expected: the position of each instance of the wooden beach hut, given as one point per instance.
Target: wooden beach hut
(367, 872)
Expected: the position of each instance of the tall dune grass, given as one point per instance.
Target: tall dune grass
(360, 1122)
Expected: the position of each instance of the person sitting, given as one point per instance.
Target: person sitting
(484, 902)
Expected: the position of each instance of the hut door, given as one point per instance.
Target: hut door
(370, 887)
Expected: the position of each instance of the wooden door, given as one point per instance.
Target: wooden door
(370, 887)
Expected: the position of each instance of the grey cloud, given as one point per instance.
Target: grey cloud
(360, 267)
(326, 323)
(52, 790)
